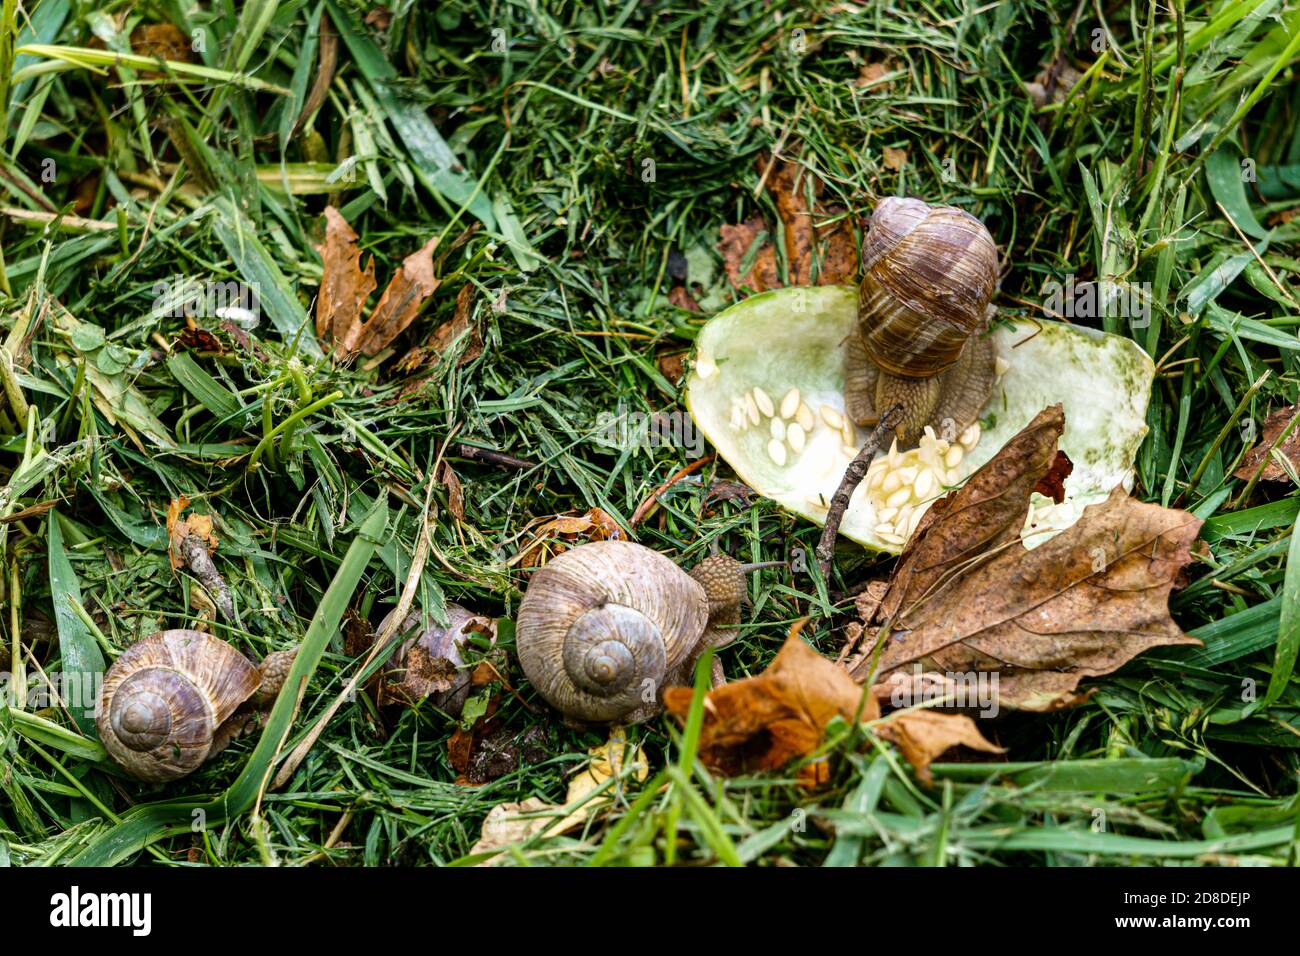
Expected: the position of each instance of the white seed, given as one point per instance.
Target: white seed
(954, 477)
(751, 408)
(915, 520)
(790, 404)
(884, 528)
(778, 429)
(924, 484)
(971, 436)
(898, 498)
(954, 456)
(907, 475)
(850, 436)
(891, 483)
(1000, 366)
(892, 538)
(705, 367)
(764, 402)
(887, 514)
(806, 418)
(903, 517)
(833, 418)
(876, 480)
(776, 451)
(737, 418)
(795, 436)
(895, 457)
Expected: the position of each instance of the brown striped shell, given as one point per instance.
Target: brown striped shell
(164, 698)
(601, 625)
(928, 276)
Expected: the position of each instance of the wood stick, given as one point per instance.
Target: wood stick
(853, 476)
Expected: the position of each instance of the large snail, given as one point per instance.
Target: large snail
(176, 698)
(605, 627)
(928, 276)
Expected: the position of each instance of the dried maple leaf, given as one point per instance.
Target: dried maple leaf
(968, 598)
(763, 722)
(1290, 448)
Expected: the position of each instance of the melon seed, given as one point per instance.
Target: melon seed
(776, 451)
(795, 436)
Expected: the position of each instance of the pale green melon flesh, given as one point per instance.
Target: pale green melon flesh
(795, 338)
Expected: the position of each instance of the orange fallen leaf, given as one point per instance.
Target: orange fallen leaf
(764, 722)
(923, 734)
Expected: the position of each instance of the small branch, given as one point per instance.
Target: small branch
(853, 476)
(490, 457)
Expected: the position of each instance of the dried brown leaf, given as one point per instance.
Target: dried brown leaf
(922, 735)
(968, 597)
(763, 722)
(399, 305)
(1290, 448)
(344, 286)
(735, 244)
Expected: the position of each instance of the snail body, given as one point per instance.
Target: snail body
(605, 627)
(928, 275)
(174, 699)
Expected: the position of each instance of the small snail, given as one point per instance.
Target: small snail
(174, 699)
(605, 627)
(928, 276)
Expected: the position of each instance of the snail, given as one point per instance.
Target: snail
(928, 276)
(176, 698)
(605, 627)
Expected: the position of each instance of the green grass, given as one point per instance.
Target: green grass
(529, 159)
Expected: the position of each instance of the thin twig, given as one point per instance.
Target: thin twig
(490, 457)
(853, 476)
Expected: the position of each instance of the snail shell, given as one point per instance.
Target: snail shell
(164, 699)
(928, 276)
(428, 663)
(601, 625)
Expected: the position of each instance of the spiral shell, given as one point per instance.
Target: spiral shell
(164, 697)
(928, 276)
(602, 624)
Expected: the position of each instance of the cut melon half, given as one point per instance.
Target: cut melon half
(752, 357)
